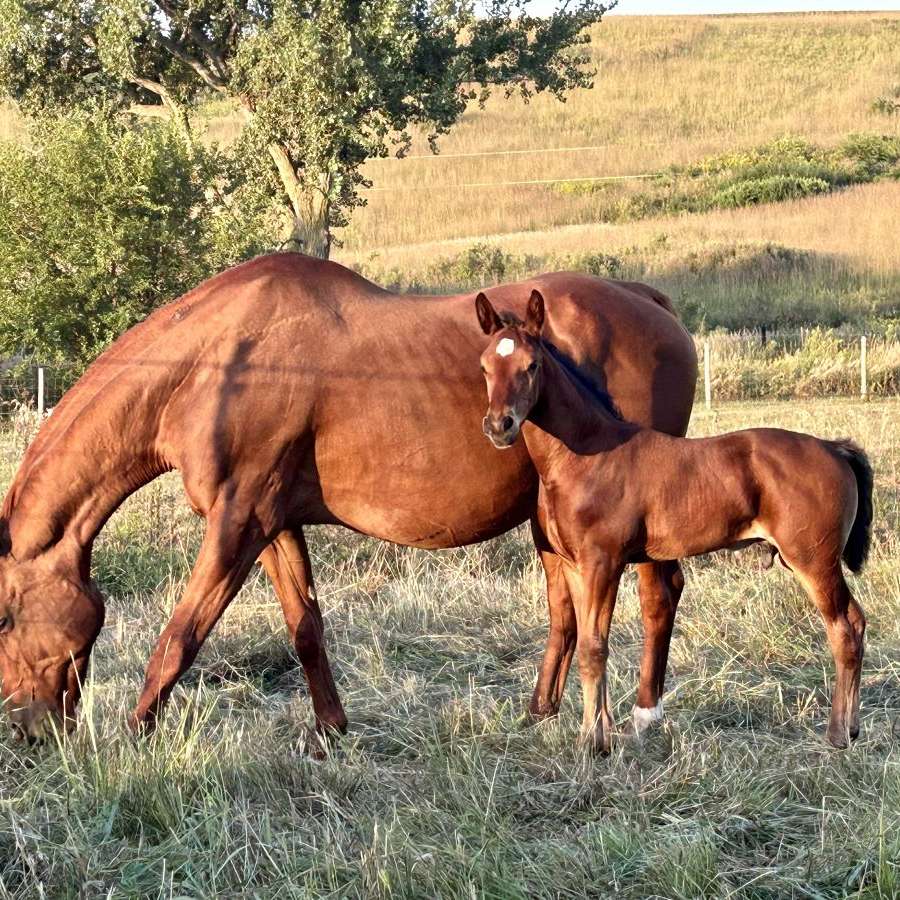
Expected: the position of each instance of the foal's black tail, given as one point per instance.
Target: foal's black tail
(857, 549)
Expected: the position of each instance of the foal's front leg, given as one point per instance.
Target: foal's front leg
(594, 586)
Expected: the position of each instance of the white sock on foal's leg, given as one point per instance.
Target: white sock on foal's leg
(644, 717)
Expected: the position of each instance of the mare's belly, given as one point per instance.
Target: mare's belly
(429, 490)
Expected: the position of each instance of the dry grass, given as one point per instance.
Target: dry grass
(670, 90)
(827, 259)
(441, 788)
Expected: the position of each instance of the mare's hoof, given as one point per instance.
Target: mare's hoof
(332, 727)
(537, 713)
(838, 738)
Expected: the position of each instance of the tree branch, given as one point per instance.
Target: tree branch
(213, 53)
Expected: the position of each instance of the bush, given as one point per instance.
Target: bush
(99, 224)
(790, 168)
(771, 189)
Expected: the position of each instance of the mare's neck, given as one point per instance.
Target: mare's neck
(570, 417)
(85, 460)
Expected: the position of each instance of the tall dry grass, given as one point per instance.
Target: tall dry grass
(442, 789)
(669, 91)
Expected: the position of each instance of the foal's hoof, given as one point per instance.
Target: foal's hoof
(839, 738)
(141, 726)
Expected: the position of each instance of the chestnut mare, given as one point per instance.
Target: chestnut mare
(289, 391)
(612, 493)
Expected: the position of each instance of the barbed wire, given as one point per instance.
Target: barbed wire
(533, 181)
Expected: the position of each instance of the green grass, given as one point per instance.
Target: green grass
(441, 787)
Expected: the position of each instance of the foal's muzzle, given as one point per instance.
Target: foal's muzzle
(501, 431)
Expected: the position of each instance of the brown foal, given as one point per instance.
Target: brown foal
(613, 493)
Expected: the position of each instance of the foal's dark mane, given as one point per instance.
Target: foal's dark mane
(598, 395)
(595, 393)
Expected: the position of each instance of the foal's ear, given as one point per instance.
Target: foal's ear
(487, 315)
(534, 317)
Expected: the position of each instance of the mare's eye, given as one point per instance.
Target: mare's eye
(5, 624)
(532, 368)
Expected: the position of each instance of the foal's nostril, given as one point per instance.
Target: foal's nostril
(507, 423)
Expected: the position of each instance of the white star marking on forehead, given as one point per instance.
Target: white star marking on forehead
(506, 347)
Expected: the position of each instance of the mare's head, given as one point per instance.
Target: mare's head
(512, 367)
(48, 624)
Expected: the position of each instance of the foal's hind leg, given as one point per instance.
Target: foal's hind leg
(551, 683)
(845, 626)
(286, 560)
(660, 586)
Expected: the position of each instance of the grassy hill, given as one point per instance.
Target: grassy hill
(670, 92)
(688, 99)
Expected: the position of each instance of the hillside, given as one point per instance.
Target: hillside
(669, 91)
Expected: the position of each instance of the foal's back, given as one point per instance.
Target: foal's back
(687, 496)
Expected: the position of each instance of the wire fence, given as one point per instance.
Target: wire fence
(31, 387)
(806, 363)
(746, 365)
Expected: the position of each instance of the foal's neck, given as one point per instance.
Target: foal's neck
(571, 417)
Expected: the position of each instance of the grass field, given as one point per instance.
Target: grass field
(670, 90)
(441, 787)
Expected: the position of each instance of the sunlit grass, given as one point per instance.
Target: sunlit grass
(441, 787)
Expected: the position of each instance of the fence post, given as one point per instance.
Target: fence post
(40, 392)
(863, 380)
(707, 380)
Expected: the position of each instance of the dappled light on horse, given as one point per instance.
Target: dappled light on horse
(613, 492)
(290, 392)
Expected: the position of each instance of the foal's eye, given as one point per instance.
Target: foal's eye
(5, 624)
(532, 368)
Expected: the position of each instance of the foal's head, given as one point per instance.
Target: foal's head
(511, 366)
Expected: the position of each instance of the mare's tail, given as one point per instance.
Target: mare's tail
(857, 549)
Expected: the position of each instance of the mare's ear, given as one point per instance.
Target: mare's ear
(487, 315)
(534, 317)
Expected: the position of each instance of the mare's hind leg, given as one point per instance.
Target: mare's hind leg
(560, 648)
(660, 586)
(286, 560)
(845, 625)
(233, 541)
(558, 653)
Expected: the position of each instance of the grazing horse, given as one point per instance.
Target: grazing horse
(612, 492)
(287, 392)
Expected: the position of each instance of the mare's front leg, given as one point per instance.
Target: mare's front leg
(659, 586)
(594, 586)
(233, 541)
(286, 560)
(560, 649)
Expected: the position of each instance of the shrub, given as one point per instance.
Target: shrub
(99, 224)
(770, 189)
(790, 168)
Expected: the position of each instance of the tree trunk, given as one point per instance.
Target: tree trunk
(309, 233)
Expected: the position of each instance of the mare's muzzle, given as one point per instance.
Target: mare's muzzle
(501, 430)
(36, 722)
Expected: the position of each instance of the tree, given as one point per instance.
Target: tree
(99, 224)
(325, 84)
